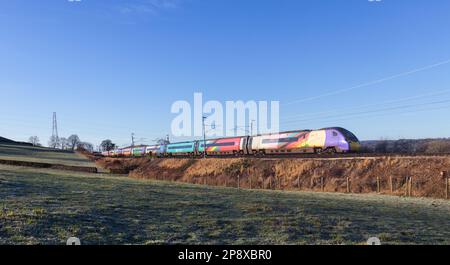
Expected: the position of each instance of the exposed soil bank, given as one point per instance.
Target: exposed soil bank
(297, 174)
(121, 165)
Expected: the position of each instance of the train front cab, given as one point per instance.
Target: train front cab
(351, 143)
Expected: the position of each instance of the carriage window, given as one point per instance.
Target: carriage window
(180, 147)
(280, 140)
(219, 144)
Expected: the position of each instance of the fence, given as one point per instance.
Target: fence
(406, 186)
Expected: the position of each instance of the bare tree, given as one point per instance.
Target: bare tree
(73, 141)
(34, 140)
(85, 146)
(64, 143)
(53, 142)
(437, 146)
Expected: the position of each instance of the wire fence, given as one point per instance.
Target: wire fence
(407, 186)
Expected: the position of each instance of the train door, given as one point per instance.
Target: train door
(162, 150)
(249, 145)
(243, 145)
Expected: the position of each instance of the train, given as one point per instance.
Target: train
(327, 140)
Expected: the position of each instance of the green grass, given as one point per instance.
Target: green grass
(40, 206)
(42, 155)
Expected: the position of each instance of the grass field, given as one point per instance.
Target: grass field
(42, 155)
(42, 206)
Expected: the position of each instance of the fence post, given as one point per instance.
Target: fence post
(238, 181)
(391, 184)
(226, 182)
(446, 186)
(378, 184)
(298, 182)
(348, 185)
(407, 186)
(410, 186)
(250, 177)
(321, 184)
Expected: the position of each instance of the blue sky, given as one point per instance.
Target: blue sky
(112, 67)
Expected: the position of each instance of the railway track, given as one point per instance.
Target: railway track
(314, 156)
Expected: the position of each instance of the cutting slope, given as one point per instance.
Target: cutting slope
(363, 174)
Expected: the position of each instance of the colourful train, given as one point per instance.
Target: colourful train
(327, 140)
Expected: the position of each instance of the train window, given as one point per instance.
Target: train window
(288, 140)
(348, 135)
(280, 140)
(179, 147)
(335, 134)
(219, 144)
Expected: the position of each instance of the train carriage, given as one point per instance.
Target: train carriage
(138, 151)
(329, 140)
(181, 149)
(118, 152)
(341, 139)
(154, 150)
(223, 146)
(126, 151)
(285, 142)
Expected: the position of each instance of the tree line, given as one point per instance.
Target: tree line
(407, 146)
(73, 142)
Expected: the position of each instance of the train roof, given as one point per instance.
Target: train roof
(344, 131)
(264, 134)
(185, 142)
(348, 134)
(307, 130)
(138, 146)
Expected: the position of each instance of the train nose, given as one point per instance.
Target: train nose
(355, 146)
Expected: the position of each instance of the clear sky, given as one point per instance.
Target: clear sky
(112, 67)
